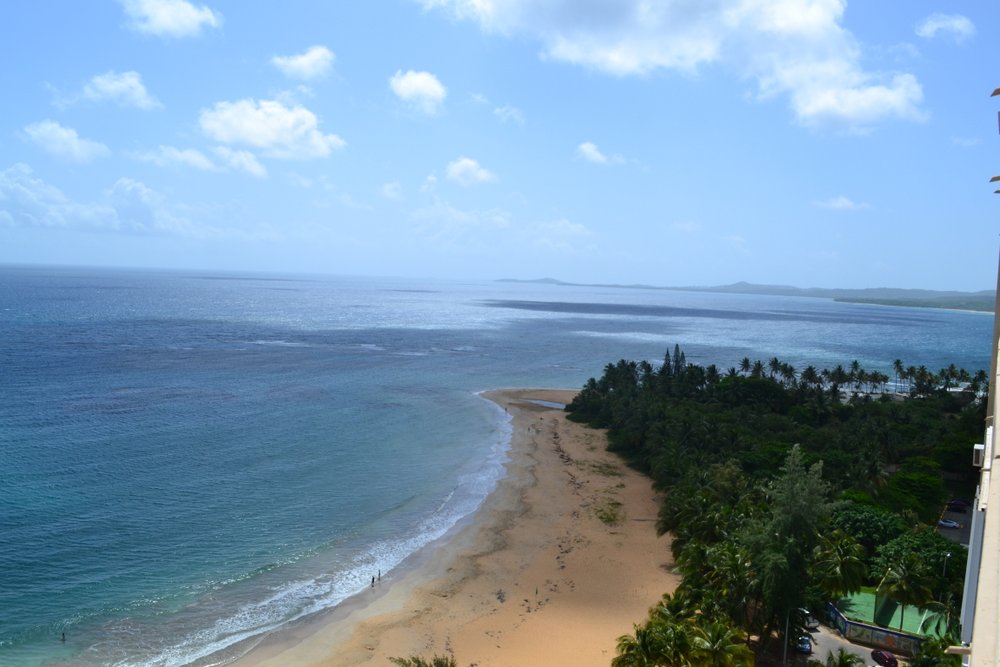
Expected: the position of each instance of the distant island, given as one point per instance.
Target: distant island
(886, 296)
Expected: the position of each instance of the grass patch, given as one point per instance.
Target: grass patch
(609, 511)
(604, 468)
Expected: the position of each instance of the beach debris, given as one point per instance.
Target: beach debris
(501, 596)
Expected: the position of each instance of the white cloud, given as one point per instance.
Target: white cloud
(842, 203)
(28, 201)
(420, 89)
(466, 171)
(140, 209)
(126, 89)
(561, 235)
(279, 131)
(793, 48)
(965, 142)
(128, 207)
(960, 27)
(509, 114)
(241, 161)
(169, 18)
(429, 183)
(314, 63)
(591, 153)
(165, 156)
(458, 230)
(64, 142)
(392, 190)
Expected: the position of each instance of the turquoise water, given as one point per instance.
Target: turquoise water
(191, 460)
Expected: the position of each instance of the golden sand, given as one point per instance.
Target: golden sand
(559, 562)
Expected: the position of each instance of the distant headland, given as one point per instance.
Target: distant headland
(886, 296)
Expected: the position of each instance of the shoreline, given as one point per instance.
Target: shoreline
(533, 577)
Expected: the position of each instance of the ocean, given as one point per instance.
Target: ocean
(191, 460)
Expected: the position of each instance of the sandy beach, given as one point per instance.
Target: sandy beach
(561, 560)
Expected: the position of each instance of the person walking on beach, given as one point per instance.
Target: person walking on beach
(373, 582)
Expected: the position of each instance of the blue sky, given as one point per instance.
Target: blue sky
(803, 142)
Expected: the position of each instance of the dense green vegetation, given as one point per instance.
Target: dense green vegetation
(785, 488)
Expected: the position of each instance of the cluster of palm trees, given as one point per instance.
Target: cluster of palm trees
(678, 634)
(915, 380)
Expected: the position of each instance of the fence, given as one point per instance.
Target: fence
(872, 635)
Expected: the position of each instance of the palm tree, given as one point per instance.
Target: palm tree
(643, 649)
(839, 565)
(897, 366)
(719, 644)
(855, 373)
(843, 658)
(809, 376)
(908, 583)
(745, 365)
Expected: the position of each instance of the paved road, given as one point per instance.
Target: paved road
(827, 640)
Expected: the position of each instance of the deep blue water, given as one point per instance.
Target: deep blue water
(189, 460)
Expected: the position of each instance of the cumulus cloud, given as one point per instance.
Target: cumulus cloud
(842, 203)
(125, 89)
(509, 114)
(268, 125)
(169, 18)
(28, 201)
(960, 27)
(314, 63)
(559, 235)
(392, 190)
(127, 207)
(166, 156)
(793, 48)
(488, 231)
(591, 153)
(170, 156)
(466, 171)
(241, 161)
(64, 142)
(140, 209)
(422, 90)
(453, 229)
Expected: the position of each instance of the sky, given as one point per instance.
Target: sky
(815, 143)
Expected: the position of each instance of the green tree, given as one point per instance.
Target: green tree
(839, 565)
(932, 655)
(868, 525)
(843, 658)
(647, 647)
(718, 644)
(909, 583)
(926, 546)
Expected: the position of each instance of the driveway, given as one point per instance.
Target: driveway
(827, 640)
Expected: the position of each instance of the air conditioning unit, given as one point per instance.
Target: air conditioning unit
(978, 452)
